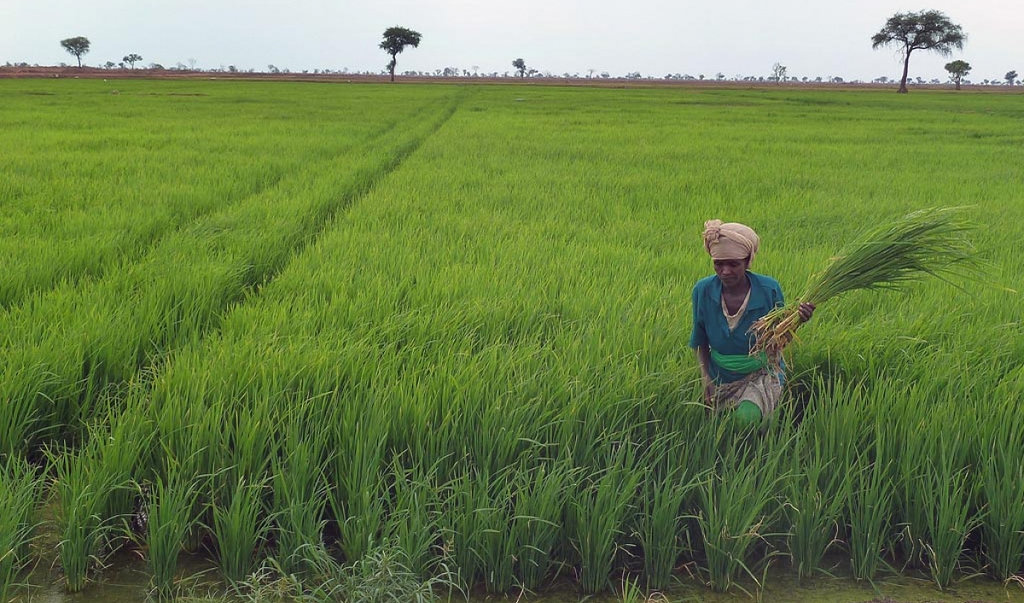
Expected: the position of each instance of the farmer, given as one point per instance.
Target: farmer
(724, 307)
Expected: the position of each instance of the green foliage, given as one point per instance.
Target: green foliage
(958, 70)
(869, 510)
(394, 42)
(171, 513)
(76, 46)
(300, 488)
(1003, 488)
(541, 492)
(924, 30)
(132, 58)
(818, 488)
(662, 526)
(381, 575)
(240, 527)
(449, 333)
(598, 510)
(20, 490)
(929, 242)
(736, 510)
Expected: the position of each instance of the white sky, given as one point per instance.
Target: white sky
(654, 37)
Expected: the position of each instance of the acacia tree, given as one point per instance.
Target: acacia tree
(957, 71)
(778, 73)
(395, 41)
(131, 59)
(77, 46)
(925, 30)
(520, 66)
(1010, 77)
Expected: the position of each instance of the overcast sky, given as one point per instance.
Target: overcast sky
(654, 37)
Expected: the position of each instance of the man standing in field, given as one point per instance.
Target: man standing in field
(725, 305)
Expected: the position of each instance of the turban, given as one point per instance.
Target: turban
(730, 240)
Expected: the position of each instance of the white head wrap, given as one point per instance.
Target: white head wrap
(730, 240)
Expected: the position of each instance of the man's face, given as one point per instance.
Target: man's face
(730, 272)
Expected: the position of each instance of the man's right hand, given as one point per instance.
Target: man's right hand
(709, 391)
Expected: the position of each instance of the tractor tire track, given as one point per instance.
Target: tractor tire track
(54, 373)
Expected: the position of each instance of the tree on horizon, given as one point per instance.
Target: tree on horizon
(131, 59)
(520, 66)
(957, 71)
(77, 46)
(395, 41)
(925, 30)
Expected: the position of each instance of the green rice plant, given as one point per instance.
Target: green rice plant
(94, 187)
(358, 438)
(817, 491)
(496, 542)
(661, 523)
(19, 423)
(381, 575)
(836, 423)
(541, 492)
(66, 347)
(189, 438)
(629, 590)
(869, 513)
(20, 490)
(248, 442)
(736, 508)
(950, 516)
(413, 523)
(925, 242)
(911, 496)
(499, 296)
(599, 509)
(240, 529)
(172, 511)
(84, 486)
(121, 453)
(300, 491)
(1002, 487)
(80, 526)
(463, 527)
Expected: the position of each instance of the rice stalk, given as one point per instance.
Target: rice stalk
(869, 513)
(1003, 490)
(497, 542)
(736, 511)
(912, 496)
(20, 490)
(599, 509)
(172, 511)
(359, 438)
(463, 529)
(83, 488)
(300, 491)
(818, 489)
(950, 517)
(540, 500)
(413, 524)
(240, 528)
(926, 242)
(661, 523)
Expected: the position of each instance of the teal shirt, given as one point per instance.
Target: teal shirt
(710, 327)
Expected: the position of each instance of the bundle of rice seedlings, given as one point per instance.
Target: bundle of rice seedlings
(926, 242)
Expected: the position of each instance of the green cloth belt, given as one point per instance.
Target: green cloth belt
(740, 363)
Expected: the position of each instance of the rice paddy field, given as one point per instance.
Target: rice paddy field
(319, 341)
